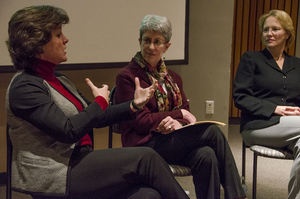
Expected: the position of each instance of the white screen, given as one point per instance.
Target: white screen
(104, 31)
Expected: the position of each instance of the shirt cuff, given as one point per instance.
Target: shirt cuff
(102, 102)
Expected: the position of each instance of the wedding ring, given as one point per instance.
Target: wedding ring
(170, 128)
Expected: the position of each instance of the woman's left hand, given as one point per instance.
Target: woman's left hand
(188, 116)
(292, 111)
(104, 92)
(142, 95)
(168, 125)
(287, 110)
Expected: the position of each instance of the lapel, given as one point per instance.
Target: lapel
(139, 72)
(287, 65)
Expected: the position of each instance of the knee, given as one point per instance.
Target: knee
(142, 192)
(152, 194)
(206, 156)
(215, 129)
(148, 153)
(215, 132)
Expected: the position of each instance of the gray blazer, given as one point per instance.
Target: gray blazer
(44, 129)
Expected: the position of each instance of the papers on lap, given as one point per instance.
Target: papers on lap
(204, 122)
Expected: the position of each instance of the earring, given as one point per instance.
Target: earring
(164, 57)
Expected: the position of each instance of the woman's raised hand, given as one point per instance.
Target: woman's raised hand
(142, 95)
(104, 92)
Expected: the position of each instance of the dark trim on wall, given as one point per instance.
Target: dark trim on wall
(85, 66)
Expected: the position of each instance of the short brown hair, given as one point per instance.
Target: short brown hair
(29, 29)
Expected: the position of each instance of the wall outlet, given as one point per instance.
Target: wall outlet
(210, 105)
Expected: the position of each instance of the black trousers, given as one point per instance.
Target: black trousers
(122, 173)
(205, 150)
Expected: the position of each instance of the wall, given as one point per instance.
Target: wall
(206, 77)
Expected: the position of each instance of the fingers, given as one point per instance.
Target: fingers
(137, 82)
(105, 86)
(165, 125)
(154, 85)
(89, 82)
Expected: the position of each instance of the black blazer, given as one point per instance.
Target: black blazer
(260, 85)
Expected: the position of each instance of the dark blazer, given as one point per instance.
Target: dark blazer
(260, 85)
(139, 131)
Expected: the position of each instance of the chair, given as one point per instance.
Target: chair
(8, 163)
(177, 170)
(264, 152)
(8, 170)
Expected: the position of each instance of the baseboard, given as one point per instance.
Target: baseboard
(3, 179)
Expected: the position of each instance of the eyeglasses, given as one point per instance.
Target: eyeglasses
(157, 43)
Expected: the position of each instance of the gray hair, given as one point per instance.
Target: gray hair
(159, 24)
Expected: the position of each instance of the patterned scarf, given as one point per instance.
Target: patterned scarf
(162, 76)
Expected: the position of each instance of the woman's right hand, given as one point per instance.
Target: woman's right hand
(142, 95)
(168, 125)
(287, 110)
(104, 92)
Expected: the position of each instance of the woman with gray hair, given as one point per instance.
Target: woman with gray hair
(267, 91)
(51, 124)
(159, 123)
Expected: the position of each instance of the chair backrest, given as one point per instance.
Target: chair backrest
(111, 96)
(115, 128)
(112, 128)
(8, 163)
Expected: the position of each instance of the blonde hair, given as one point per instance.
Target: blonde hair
(284, 19)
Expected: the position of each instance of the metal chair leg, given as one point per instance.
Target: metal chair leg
(244, 163)
(254, 175)
(110, 136)
(8, 164)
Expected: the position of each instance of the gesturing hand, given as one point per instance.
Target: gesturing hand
(104, 92)
(142, 95)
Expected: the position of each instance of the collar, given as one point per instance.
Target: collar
(45, 69)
